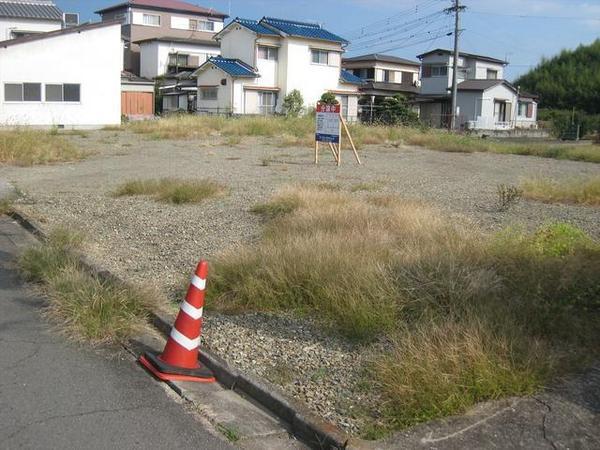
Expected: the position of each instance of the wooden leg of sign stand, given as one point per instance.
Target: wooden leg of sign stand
(316, 152)
(350, 139)
(334, 151)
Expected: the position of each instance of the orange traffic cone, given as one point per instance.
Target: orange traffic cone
(179, 360)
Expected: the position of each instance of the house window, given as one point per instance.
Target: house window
(152, 20)
(23, 92)
(435, 71)
(54, 93)
(492, 74)
(370, 74)
(178, 59)
(71, 92)
(320, 56)
(387, 76)
(522, 109)
(13, 92)
(270, 53)
(267, 102)
(209, 93)
(407, 78)
(343, 99)
(500, 111)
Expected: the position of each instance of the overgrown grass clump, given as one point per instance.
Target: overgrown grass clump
(584, 191)
(26, 147)
(299, 131)
(172, 190)
(468, 317)
(85, 307)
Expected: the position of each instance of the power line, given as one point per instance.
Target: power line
(357, 32)
(402, 38)
(528, 16)
(402, 26)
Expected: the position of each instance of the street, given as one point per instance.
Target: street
(55, 394)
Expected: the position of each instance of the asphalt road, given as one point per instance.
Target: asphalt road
(57, 395)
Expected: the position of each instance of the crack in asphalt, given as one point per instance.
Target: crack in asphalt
(70, 416)
(544, 417)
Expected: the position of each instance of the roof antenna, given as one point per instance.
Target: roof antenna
(229, 12)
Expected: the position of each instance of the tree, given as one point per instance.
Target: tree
(396, 111)
(329, 98)
(293, 103)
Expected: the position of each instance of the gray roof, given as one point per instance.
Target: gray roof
(392, 87)
(42, 11)
(464, 55)
(192, 41)
(382, 58)
(51, 34)
(482, 85)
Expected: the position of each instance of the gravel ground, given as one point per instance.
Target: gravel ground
(150, 242)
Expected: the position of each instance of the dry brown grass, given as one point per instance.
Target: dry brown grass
(172, 190)
(467, 317)
(583, 191)
(26, 147)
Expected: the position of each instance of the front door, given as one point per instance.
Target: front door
(500, 111)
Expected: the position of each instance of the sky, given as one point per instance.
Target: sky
(520, 31)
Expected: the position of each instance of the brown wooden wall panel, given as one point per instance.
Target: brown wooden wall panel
(137, 103)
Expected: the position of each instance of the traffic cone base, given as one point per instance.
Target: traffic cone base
(166, 372)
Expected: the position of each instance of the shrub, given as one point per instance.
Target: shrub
(171, 190)
(293, 103)
(508, 195)
(329, 98)
(396, 111)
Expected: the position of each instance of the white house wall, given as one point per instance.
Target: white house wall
(7, 25)
(154, 59)
(486, 119)
(481, 68)
(238, 43)
(312, 80)
(212, 77)
(91, 58)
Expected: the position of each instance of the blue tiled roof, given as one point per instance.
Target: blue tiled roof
(349, 77)
(302, 29)
(255, 26)
(233, 67)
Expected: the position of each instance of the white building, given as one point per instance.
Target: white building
(171, 55)
(69, 77)
(263, 61)
(23, 17)
(485, 100)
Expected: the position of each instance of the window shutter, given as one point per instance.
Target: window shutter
(529, 110)
(426, 71)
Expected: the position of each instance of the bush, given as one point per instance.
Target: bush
(171, 190)
(397, 111)
(293, 103)
(329, 98)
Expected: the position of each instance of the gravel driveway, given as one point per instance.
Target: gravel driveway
(157, 243)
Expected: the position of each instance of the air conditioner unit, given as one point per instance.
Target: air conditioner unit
(71, 19)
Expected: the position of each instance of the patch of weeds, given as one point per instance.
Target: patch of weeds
(172, 190)
(27, 147)
(507, 196)
(366, 186)
(277, 207)
(233, 158)
(581, 191)
(319, 374)
(233, 140)
(85, 307)
(265, 162)
(6, 205)
(230, 432)
(126, 144)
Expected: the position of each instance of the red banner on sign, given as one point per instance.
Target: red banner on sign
(325, 108)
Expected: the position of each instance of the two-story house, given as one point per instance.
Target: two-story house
(171, 20)
(385, 75)
(263, 61)
(485, 100)
(20, 18)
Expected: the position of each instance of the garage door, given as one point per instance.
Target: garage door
(137, 103)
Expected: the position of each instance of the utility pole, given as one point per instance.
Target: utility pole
(456, 9)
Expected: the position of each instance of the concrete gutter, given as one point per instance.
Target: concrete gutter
(301, 422)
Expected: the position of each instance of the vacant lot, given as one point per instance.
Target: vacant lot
(159, 243)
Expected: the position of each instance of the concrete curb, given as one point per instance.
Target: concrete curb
(303, 423)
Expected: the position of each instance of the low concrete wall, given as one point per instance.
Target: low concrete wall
(516, 133)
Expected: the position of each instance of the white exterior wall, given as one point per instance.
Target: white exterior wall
(212, 77)
(482, 67)
(486, 119)
(312, 80)
(154, 55)
(239, 43)
(528, 122)
(90, 58)
(183, 23)
(14, 24)
(436, 85)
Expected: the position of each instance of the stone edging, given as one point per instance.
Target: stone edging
(303, 423)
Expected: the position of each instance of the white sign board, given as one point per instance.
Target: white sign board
(328, 123)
